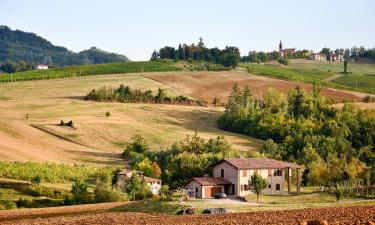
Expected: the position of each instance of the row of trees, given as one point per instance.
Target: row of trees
(257, 57)
(11, 67)
(126, 94)
(335, 145)
(229, 56)
(354, 52)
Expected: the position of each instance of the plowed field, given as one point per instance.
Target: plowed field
(333, 215)
(208, 85)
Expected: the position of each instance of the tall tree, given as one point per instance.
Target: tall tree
(257, 184)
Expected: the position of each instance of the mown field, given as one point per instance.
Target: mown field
(95, 139)
(361, 77)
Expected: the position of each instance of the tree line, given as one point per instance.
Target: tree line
(336, 145)
(127, 95)
(229, 56)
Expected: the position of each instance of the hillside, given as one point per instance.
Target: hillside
(17, 46)
(95, 138)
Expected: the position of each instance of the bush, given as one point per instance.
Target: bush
(368, 99)
(7, 205)
(283, 61)
(105, 193)
(36, 180)
(80, 192)
(107, 114)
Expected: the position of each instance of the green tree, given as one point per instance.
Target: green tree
(80, 192)
(36, 180)
(257, 184)
(137, 189)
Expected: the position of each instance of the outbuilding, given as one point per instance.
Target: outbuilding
(206, 187)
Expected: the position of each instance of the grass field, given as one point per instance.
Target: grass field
(361, 77)
(95, 139)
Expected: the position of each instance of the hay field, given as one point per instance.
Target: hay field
(95, 139)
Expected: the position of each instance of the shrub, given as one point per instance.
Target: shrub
(80, 192)
(105, 193)
(283, 61)
(107, 114)
(7, 205)
(36, 180)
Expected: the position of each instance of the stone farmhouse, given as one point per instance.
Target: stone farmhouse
(125, 174)
(232, 176)
(285, 51)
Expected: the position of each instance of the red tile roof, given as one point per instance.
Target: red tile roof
(150, 179)
(210, 181)
(259, 163)
(125, 172)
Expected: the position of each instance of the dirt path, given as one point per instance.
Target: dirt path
(333, 215)
(334, 77)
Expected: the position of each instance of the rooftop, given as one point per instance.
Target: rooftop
(210, 181)
(259, 163)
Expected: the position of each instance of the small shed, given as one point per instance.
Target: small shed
(206, 187)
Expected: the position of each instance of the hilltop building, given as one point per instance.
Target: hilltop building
(232, 176)
(285, 51)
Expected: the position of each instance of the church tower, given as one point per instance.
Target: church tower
(281, 49)
(280, 46)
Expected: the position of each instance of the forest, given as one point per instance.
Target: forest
(335, 145)
(18, 47)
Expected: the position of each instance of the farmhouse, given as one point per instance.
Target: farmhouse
(318, 57)
(232, 176)
(42, 67)
(285, 51)
(125, 174)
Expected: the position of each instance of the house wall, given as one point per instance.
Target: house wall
(192, 185)
(271, 180)
(230, 173)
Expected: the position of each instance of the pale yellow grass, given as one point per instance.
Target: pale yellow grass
(96, 139)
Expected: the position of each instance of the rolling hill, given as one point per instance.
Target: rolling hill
(17, 46)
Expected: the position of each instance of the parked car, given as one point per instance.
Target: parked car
(220, 195)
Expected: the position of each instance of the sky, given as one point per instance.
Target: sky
(136, 28)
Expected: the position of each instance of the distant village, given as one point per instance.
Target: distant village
(312, 55)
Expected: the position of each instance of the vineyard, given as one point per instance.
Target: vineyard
(356, 82)
(51, 172)
(364, 82)
(84, 70)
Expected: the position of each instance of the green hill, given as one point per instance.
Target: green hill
(17, 46)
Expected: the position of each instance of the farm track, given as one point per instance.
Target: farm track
(101, 214)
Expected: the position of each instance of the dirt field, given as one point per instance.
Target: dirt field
(208, 85)
(101, 214)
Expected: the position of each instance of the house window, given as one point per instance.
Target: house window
(242, 187)
(244, 173)
(255, 172)
(269, 186)
(269, 172)
(277, 187)
(222, 173)
(278, 173)
(247, 187)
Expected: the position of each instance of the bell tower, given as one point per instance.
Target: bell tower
(280, 46)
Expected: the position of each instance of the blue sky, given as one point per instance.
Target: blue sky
(135, 28)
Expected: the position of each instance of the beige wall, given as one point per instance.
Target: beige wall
(271, 180)
(230, 173)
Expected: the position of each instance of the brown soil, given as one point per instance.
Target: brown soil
(100, 214)
(208, 85)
